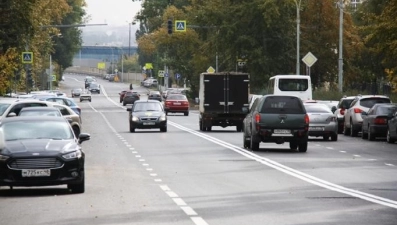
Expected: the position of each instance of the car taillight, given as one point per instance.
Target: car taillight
(257, 118)
(357, 110)
(167, 102)
(185, 103)
(307, 120)
(342, 111)
(379, 121)
(331, 119)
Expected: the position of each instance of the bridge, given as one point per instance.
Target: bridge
(89, 56)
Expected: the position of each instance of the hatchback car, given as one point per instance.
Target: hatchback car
(130, 97)
(353, 119)
(12, 107)
(94, 88)
(46, 153)
(376, 119)
(122, 93)
(322, 122)
(68, 102)
(339, 110)
(155, 95)
(76, 92)
(391, 135)
(147, 114)
(177, 103)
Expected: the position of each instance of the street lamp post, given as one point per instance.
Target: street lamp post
(340, 60)
(298, 20)
(129, 40)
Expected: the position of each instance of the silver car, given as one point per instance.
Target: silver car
(353, 120)
(322, 122)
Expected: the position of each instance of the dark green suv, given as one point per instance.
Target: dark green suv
(277, 119)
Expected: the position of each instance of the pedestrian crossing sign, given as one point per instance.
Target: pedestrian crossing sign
(27, 57)
(180, 25)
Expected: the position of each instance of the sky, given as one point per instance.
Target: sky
(112, 12)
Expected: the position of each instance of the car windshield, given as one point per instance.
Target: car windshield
(317, 108)
(176, 97)
(147, 106)
(17, 130)
(40, 113)
(282, 104)
(94, 85)
(43, 97)
(369, 102)
(79, 90)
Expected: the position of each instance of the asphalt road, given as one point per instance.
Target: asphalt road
(186, 176)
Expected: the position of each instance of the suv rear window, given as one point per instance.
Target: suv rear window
(283, 104)
(369, 102)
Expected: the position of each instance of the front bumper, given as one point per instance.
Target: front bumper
(148, 124)
(71, 172)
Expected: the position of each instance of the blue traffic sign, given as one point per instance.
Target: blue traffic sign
(166, 74)
(177, 76)
(27, 57)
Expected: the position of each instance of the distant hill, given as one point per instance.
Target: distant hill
(108, 36)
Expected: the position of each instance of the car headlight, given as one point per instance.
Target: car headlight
(3, 158)
(73, 155)
(135, 119)
(163, 117)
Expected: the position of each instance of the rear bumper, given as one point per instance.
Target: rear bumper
(223, 120)
(379, 130)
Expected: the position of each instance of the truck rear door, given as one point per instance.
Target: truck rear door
(236, 94)
(214, 92)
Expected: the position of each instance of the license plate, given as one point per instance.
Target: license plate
(148, 123)
(278, 131)
(316, 128)
(36, 173)
(177, 103)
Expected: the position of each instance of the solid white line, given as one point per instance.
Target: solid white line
(179, 201)
(295, 173)
(330, 148)
(388, 164)
(188, 210)
(198, 221)
(92, 107)
(111, 100)
(171, 194)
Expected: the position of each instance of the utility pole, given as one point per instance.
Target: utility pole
(298, 20)
(340, 60)
(129, 41)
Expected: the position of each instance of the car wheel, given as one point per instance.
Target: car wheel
(76, 130)
(89, 100)
(166, 113)
(121, 101)
(389, 139)
(81, 100)
(353, 132)
(364, 135)
(334, 137)
(302, 147)
(371, 135)
(200, 125)
(132, 129)
(253, 144)
(78, 188)
(99, 92)
(239, 128)
(124, 103)
(246, 143)
(163, 129)
(209, 128)
(325, 137)
(293, 145)
(186, 113)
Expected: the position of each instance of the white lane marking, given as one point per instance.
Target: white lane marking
(73, 79)
(372, 159)
(92, 107)
(142, 160)
(149, 169)
(179, 201)
(358, 156)
(138, 156)
(342, 151)
(134, 152)
(111, 100)
(198, 220)
(388, 164)
(153, 174)
(329, 148)
(165, 188)
(145, 164)
(290, 171)
(171, 194)
(132, 148)
(317, 145)
(128, 145)
(188, 210)
(158, 180)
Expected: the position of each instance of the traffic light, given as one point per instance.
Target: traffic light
(169, 25)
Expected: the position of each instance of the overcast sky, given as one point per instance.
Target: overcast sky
(112, 12)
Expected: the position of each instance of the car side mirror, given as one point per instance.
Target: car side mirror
(84, 137)
(12, 114)
(129, 109)
(245, 109)
(333, 109)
